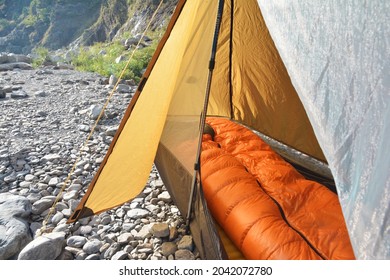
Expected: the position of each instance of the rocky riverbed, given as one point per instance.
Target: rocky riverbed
(46, 115)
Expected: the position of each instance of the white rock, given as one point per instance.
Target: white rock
(143, 233)
(164, 196)
(44, 247)
(51, 157)
(137, 213)
(121, 255)
(54, 181)
(29, 177)
(70, 195)
(95, 111)
(125, 238)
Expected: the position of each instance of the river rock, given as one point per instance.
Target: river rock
(160, 230)
(45, 247)
(14, 228)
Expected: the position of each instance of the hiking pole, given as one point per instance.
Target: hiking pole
(196, 176)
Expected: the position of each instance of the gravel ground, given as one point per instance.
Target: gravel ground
(46, 116)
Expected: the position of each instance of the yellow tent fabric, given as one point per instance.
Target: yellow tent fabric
(250, 84)
(128, 165)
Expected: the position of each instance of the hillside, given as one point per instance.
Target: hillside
(56, 24)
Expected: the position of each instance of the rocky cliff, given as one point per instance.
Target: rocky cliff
(54, 24)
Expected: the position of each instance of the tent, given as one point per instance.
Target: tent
(311, 76)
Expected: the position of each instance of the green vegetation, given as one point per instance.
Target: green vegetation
(101, 58)
(37, 11)
(41, 56)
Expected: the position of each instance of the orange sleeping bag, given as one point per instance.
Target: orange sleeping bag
(267, 208)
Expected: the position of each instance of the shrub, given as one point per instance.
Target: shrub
(100, 58)
(40, 56)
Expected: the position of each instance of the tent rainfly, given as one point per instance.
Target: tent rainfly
(312, 76)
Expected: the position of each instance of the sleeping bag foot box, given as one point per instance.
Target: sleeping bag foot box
(267, 208)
